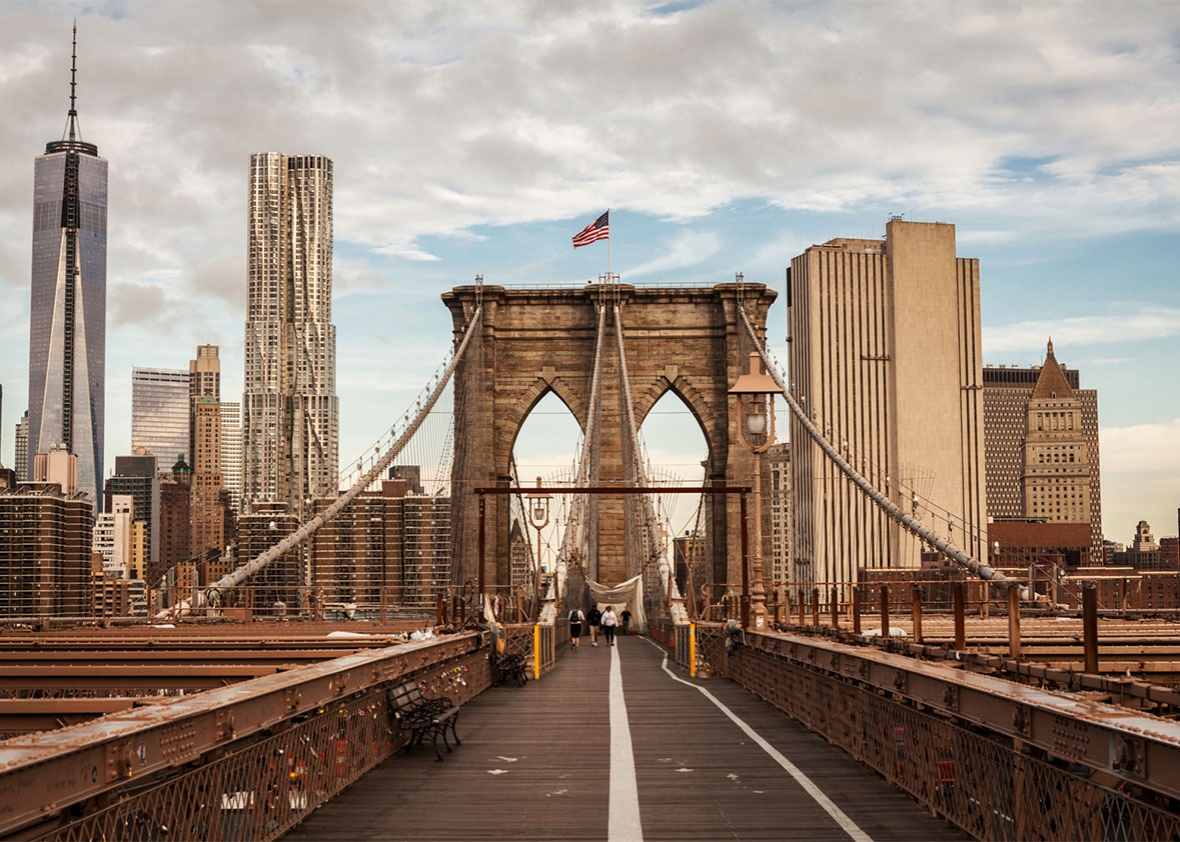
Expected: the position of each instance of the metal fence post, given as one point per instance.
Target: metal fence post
(916, 611)
(1014, 621)
(1090, 626)
(960, 618)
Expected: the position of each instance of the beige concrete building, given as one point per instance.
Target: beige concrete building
(885, 356)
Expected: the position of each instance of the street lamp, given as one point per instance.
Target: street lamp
(755, 393)
(539, 517)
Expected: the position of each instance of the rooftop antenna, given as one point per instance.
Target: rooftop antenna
(72, 122)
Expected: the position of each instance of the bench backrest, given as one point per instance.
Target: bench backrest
(407, 696)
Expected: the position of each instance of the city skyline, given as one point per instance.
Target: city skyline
(723, 137)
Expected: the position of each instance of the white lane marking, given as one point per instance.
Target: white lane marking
(623, 824)
(839, 816)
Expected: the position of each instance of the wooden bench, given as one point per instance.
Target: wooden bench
(422, 716)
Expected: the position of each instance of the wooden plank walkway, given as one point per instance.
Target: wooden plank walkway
(536, 763)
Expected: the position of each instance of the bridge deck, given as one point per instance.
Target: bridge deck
(550, 761)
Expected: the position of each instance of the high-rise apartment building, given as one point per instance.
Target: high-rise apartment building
(1030, 414)
(231, 451)
(160, 408)
(289, 406)
(21, 461)
(45, 555)
(67, 308)
(113, 536)
(885, 357)
(283, 584)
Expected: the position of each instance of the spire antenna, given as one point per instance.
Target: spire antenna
(72, 122)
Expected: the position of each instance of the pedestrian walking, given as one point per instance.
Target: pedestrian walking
(609, 621)
(576, 619)
(594, 620)
(626, 615)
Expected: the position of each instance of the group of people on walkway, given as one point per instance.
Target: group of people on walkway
(605, 620)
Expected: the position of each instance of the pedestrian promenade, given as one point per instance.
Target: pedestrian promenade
(618, 744)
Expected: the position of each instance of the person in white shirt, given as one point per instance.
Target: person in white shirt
(609, 622)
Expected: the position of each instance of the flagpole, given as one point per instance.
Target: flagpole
(608, 248)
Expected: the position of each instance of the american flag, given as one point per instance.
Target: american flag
(597, 230)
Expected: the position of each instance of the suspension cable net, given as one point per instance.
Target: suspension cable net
(909, 521)
(213, 593)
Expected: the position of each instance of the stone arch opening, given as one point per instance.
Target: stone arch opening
(689, 339)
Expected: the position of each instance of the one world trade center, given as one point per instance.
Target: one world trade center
(67, 329)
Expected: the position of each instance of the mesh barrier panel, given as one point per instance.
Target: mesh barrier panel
(975, 779)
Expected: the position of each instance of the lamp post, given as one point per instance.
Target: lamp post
(539, 518)
(755, 393)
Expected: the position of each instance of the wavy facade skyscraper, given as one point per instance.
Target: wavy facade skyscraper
(290, 412)
(67, 326)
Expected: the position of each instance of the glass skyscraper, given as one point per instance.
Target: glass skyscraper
(290, 412)
(160, 412)
(67, 326)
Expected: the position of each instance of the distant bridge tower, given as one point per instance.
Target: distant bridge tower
(534, 341)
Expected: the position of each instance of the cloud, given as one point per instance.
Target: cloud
(406, 252)
(687, 248)
(1140, 477)
(1040, 123)
(1145, 324)
(1142, 449)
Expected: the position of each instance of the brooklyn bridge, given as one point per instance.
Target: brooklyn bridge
(972, 701)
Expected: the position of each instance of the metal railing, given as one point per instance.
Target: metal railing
(1000, 764)
(240, 762)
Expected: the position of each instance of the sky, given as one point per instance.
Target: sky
(476, 138)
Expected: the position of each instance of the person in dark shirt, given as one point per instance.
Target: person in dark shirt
(594, 620)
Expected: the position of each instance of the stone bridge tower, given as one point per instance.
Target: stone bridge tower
(689, 340)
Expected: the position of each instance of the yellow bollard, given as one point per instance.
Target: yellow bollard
(536, 651)
(692, 650)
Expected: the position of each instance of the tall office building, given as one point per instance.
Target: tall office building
(289, 408)
(885, 358)
(160, 409)
(778, 568)
(208, 531)
(175, 520)
(1034, 414)
(135, 475)
(67, 312)
(204, 378)
(231, 451)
